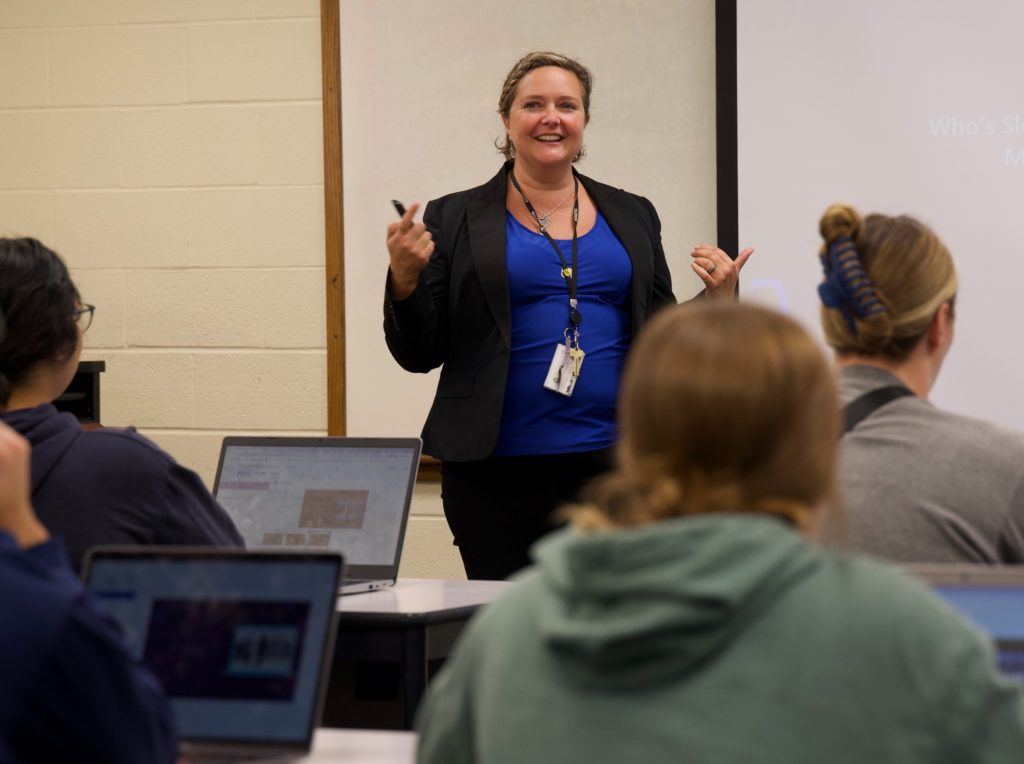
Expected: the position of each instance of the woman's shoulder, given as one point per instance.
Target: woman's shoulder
(605, 194)
(958, 438)
(491, 191)
(986, 436)
(881, 598)
(592, 184)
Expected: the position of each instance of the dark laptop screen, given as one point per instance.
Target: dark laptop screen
(237, 641)
(351, 498)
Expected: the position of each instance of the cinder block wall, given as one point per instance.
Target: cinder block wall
(171, 152)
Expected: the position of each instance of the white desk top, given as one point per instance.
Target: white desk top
(333, 746)
(414, 596)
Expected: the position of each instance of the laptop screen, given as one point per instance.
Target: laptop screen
(344, 494)
(237, 641)
(999, 612)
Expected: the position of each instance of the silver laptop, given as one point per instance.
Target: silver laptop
(992, 596)
(241, 641)
(349, 495)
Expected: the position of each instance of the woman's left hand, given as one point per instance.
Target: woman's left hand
(719, 272)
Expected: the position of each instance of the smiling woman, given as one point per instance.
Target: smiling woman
(494, 286)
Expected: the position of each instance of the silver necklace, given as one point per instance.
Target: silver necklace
(544, 220)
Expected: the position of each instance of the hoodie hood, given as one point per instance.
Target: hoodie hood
(50, 432)
(643, 605)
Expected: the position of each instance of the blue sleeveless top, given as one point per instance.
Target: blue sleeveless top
(535, 420)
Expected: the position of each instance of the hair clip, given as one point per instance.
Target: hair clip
(846, 284)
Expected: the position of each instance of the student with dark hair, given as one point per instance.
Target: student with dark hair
(688, 616)
(103, 486)
(69, 690)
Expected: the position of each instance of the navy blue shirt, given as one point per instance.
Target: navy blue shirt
(69, 691)
(113, 486)
(540, 421)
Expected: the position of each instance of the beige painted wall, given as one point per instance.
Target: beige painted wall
(171, 152)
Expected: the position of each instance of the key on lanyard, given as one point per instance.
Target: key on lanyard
(575, 351)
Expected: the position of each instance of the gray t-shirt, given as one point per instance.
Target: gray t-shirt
(926, 485)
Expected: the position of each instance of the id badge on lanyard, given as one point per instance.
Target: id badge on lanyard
(565, 365)
(567, 359)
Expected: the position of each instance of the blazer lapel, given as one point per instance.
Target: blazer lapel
(485, 219)
(621, 218)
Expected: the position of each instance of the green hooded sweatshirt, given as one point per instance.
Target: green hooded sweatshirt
(713, 640)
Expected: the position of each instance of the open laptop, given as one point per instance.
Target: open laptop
(350, 495)
(992, 596)
(241, 641)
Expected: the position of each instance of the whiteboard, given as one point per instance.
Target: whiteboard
(897, 107)
(419, 88)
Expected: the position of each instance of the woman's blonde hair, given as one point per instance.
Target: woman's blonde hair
(724, 408)
(908, 267)
(524, 66)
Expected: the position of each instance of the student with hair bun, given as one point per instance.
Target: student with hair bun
(921, 484)
(688, 616)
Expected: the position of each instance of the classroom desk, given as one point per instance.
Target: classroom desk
(391, 642)
(361, 747)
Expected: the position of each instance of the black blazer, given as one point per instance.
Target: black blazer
(459, 315)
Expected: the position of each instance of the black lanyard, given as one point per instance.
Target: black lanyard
(569, 273)
(860, 409)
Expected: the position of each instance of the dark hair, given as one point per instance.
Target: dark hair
(38, 301)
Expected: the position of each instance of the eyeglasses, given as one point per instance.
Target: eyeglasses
(84, 317)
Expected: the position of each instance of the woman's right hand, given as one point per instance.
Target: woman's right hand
(410, 246)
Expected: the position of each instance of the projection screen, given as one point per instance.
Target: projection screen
(895, 107)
